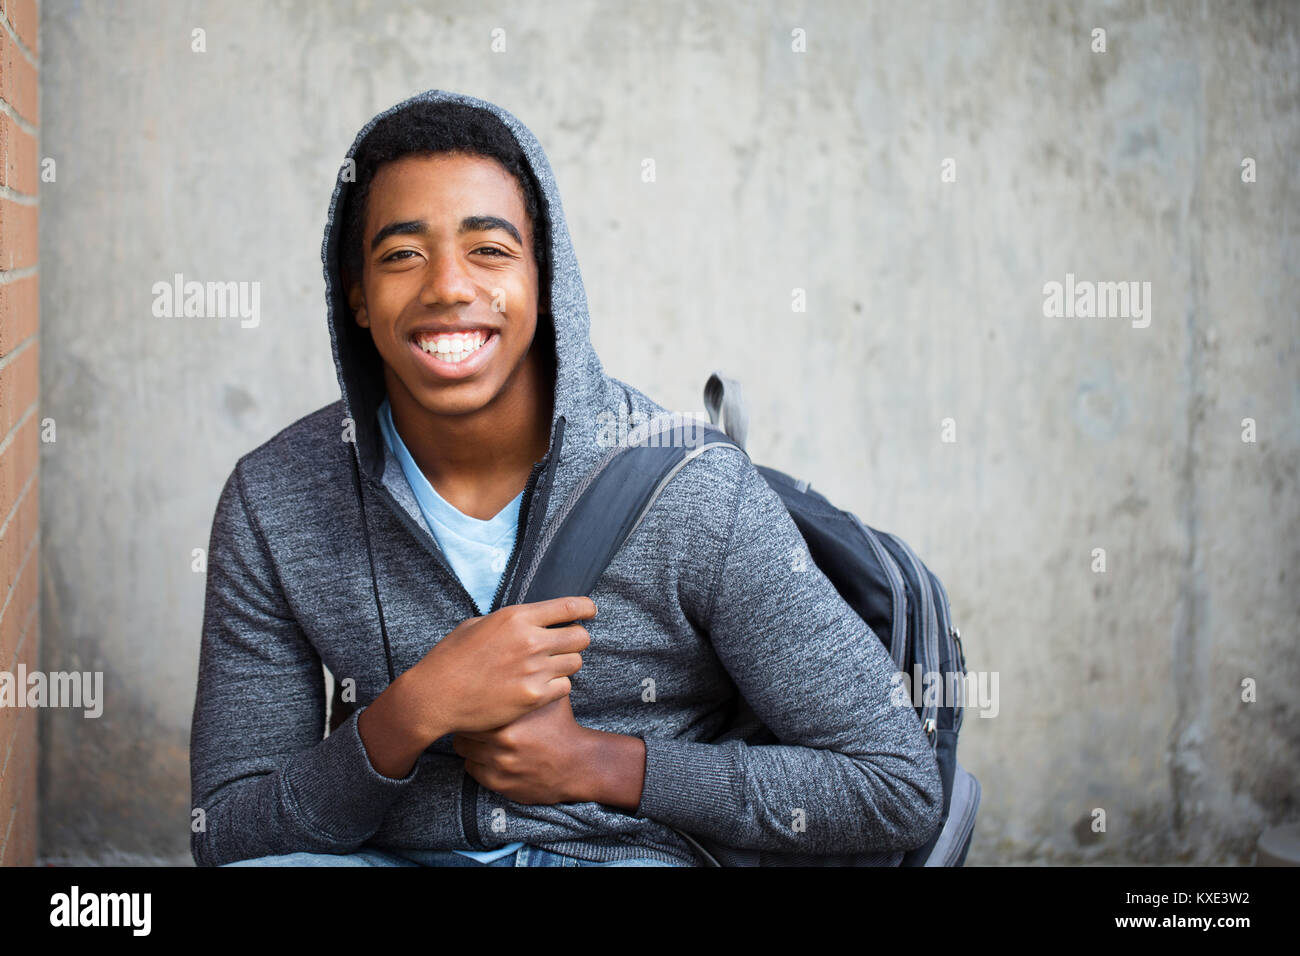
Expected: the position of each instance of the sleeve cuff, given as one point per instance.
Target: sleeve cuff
(341, 787)
(695, 786)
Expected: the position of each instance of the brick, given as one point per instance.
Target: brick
(18, 235)
(20, 305)
(24, 18)
(21, 749)
(18, 781)
(21, 850)
(24, 520)
(18, 84)
(18, 462)
(19, 386)
(14, 729)
(14, 621)
(19, 163)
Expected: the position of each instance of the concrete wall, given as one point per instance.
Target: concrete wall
(777, 170)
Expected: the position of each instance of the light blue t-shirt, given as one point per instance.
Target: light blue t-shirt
(477, 550)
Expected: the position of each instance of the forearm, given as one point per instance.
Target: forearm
(326, 799)
(847, 770)
(611, 770)
(794, 799)
(392, 733)
(264, 779)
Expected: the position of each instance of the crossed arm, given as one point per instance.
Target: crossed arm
(854, 770)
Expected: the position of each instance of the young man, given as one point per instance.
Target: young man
(708, 689)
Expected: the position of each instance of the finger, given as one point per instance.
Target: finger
(478, 736)
(564, 665)
(472, 749)
(487, 777)
(566, 640)
(558, 687)
(560, 610)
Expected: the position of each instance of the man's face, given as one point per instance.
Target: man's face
(447, 248)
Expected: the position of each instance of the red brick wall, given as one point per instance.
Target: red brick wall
(19, 419)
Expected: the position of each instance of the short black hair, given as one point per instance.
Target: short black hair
(443, 127)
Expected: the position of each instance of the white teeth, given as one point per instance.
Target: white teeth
(453, 348)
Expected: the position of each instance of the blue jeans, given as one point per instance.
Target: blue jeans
(524, 856)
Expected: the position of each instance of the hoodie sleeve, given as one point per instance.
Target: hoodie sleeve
(853, 772)
(265, 781)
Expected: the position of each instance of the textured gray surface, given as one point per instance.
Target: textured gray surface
(775, 170)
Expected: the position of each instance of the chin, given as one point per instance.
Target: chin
(457, 399)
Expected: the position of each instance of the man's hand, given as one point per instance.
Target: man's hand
(489, 671)
(546, 756)
(494, 669)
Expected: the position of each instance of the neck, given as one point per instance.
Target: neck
(480, 461)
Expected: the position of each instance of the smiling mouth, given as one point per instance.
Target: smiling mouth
(452, 347)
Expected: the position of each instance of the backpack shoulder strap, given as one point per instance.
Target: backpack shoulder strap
(725, 401)
(604, 510)
(609, 504)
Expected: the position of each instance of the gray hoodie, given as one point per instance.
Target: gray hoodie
(763, 700)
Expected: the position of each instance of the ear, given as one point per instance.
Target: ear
(357, 303)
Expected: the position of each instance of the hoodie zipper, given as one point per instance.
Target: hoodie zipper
(420, 534)
(431, 545)
(519, 535)
(469, 786)
(470, 789)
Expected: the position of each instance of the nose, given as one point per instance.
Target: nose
(447, 280)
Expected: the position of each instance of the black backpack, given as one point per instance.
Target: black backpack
(875, 572)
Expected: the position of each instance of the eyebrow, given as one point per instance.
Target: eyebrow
(412, 227)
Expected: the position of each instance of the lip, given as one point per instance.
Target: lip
(456, 370)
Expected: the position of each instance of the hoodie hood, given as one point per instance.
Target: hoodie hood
(581, 386)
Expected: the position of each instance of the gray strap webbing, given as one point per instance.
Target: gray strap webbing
(611, 507)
